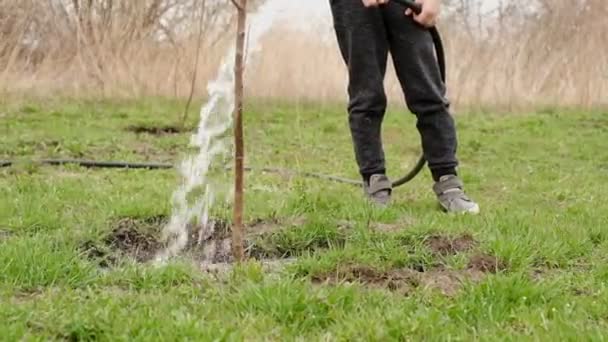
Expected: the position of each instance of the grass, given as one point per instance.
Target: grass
(540, 179)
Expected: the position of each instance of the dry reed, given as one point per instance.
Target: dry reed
(130, 49)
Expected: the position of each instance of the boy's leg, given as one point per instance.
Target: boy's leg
(415, 62)
(414, 59)
(361, 36)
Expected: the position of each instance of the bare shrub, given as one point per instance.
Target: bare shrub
(109, 47)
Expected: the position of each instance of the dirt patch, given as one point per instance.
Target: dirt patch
(536, 274)
(266, 226)
(259, 240)
(389, 227)
(378, 226)
(5, 234)
(157, 130)
(213, 249)
(401, 281)
(281, 239)
(448, 282)
(445, 246)
(599, 122)
(221, 270)
(140, 239)
(100, 255)
(486, 263)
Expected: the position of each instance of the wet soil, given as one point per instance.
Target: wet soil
(139, 239)
(129, 237)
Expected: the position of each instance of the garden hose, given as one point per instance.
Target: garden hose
(93, 164)
(163, 166)
(416, 8)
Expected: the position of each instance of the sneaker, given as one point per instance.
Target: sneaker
(379, 189)
(452, 198)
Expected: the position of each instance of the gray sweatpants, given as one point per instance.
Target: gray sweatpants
(365, 37)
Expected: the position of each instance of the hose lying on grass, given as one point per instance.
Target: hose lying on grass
(165, 166)
(93, 164)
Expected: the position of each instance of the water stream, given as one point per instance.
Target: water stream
(199, 191)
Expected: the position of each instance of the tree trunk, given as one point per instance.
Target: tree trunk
(238, 228)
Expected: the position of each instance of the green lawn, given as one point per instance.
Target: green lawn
(532, 266)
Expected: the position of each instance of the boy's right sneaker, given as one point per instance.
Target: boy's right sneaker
(452, 198)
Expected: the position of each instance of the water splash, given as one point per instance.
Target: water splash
(199, 190)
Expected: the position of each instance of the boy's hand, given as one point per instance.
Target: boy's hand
(429, 14)
(374, 3)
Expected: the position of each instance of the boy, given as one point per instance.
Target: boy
(367, 30)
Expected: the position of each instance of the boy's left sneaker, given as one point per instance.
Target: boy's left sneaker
(452, 198)
(378, 190)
